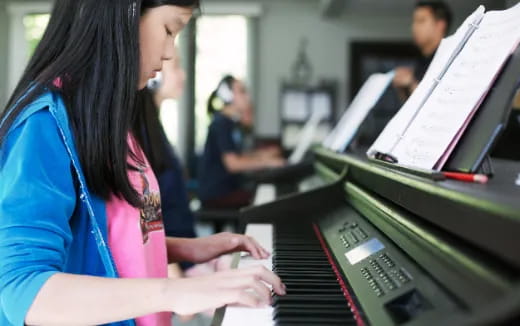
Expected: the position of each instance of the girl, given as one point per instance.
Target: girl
(223, 160)
(81, 235)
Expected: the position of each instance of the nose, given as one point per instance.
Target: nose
(169, 49)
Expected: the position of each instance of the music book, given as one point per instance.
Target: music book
(307, 134)
(428, 126)
(367, 97)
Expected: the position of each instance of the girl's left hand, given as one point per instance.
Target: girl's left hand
(219, 244)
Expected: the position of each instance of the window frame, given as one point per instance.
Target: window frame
(18, 55)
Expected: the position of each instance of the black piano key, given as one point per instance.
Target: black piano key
(295, 298)
(313, 291)
(311, 285)
(282, 312)
(315, 321)
(302, 323)
(288, 275)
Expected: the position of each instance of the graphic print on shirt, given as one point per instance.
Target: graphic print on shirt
(150, 214)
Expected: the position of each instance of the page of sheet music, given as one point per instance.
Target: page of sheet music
(392, 132)
(363, 102)
(307, 135)
(461, 91)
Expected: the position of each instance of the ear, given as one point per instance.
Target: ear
(442, 26)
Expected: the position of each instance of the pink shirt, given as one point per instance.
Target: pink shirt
(136, 236)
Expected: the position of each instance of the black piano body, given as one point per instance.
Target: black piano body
(285, 178)
(404, 250)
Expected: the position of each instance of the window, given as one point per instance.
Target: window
(35, 25)
(27, 24)
(222, 48)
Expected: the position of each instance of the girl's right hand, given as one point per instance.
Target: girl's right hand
(275, 162)
(249, 287)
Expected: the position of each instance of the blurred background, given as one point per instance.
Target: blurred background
(264, 42)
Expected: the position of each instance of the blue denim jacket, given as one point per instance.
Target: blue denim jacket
(49, 220)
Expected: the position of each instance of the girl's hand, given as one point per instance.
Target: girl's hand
(249, 287)
(275, 162)
(201, 250)
(207, 248)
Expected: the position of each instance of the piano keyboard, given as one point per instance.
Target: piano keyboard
(314, 296)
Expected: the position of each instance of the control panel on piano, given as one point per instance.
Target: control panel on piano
(342, 271)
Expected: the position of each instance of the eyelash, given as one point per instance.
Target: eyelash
(168, 32)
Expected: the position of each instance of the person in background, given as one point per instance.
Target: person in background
(431, 23)
(81, 232)
(223, 160)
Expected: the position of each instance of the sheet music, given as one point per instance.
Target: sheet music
(307, 135)
(363, 102)
(444, 54)
(442, 119)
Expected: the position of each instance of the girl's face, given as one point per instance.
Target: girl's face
(241, 98)
(173, 78)
(157, 31)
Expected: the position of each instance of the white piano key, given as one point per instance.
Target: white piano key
(248, 316)
(239, 316)
(265, 193)
(262, 233)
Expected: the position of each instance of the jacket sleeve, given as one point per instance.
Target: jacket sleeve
(37, 200)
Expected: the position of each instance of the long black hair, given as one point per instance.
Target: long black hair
(90, 54)
(149, 132)
(216, 100)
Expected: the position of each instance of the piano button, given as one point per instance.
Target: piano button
(352, 238)
(360, 234)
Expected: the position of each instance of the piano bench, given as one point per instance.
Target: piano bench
(218, 218)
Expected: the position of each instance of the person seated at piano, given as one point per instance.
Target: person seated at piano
(221, 184)
(431, 23)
